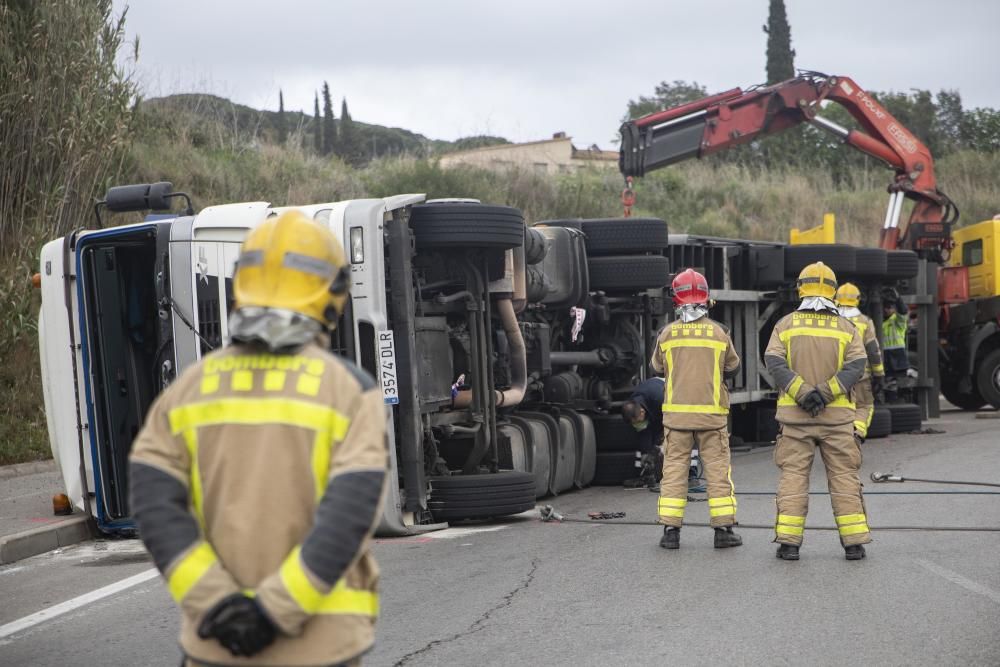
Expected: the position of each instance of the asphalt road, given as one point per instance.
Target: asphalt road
(523, 592)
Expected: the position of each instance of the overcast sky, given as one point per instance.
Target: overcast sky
(523, 70)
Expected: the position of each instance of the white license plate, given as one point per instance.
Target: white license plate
(387, 367)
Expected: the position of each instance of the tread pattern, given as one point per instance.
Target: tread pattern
(628, 273)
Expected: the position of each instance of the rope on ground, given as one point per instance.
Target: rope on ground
(879, 477)
(549, 514)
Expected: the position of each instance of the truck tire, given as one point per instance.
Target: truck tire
(628, 273)
(465, 225)
(618, 236)
(869, 263)
(458, 497)
(988, 378)
(901, 264)
(613, 468)
(838, 256)
(881, 425)
(970, 401)
(906, 417)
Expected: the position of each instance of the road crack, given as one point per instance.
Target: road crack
(479, 623)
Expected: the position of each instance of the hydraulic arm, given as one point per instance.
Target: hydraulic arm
(735, 117)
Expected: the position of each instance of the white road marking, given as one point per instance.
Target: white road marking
(452, 533)
(956, 578)
(23, 624)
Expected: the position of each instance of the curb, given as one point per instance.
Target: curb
(29, 468)
(36, 541)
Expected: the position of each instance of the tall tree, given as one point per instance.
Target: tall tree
(348, 145)
(282, 120)
(317, 127)
(780, 55)
(329, 130)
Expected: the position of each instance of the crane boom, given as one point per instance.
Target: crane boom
(734, 117)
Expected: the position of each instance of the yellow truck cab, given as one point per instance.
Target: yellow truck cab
(978, 248)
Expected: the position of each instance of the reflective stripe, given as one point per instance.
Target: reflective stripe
(835, 387)
(671, 506)
(322, 449)
(868, 419)
(698, 409)
(719, 349)
(250, 258)
(793, 389)
(259, 411)
(790, 520)
(721, 511)
(189, 571)
(793, 332)
(861, 427)
(340, 600)
(788, 530)
(307, 264)
(855, 529)
(716, 502)
(839, 402)
(878, 369)
(850, 518)
(191, 441)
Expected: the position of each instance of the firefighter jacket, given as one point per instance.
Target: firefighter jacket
(815, 350)
(868, 338)
(894, 339)
(263, 474)
(649, 394)
(695, 359)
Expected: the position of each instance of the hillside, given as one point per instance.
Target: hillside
(212, 114)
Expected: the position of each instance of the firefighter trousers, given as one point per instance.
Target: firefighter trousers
(793, 454)
(864, 406)
(713, 445)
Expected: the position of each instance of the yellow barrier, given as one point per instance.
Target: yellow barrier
(825, 233)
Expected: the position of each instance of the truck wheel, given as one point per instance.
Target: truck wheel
(869, 263)
(906, 417)
(988, 378)
(901, 263)
(971, 401)
(458, 497)
(881, 425)
(617, 236)
(465, 225)
(838, 256)
(628, 273)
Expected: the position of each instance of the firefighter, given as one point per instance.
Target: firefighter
(895, 317)
(871, 383)
(695, 356)
(816, 357)
(257, 479)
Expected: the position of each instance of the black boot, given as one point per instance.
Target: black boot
(854, 552)
(725, 537)
(788, 552)
(671, 538)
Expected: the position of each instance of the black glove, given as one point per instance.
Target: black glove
(813, 402)
(239, 624)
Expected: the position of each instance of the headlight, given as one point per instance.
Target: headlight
(357, 245)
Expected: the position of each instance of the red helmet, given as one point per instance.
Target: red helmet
(689, 286)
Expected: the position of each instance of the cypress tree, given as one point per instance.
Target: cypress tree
(317, 128)
(282, 121)
(780, 55)
(329, 131)
(348, 136)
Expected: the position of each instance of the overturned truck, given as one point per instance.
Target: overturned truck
(502, 350)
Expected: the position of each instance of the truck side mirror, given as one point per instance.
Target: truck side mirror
(140, 197)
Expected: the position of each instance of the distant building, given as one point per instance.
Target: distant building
(549, 156)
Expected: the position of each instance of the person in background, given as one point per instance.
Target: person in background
(696, 356)
(872, 382)
(895, 318)
(644, 412)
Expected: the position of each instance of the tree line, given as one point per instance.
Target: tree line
(326, 134)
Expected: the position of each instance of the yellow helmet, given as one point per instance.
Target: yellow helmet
(848, 295)
(817, 279)
(292, 263)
